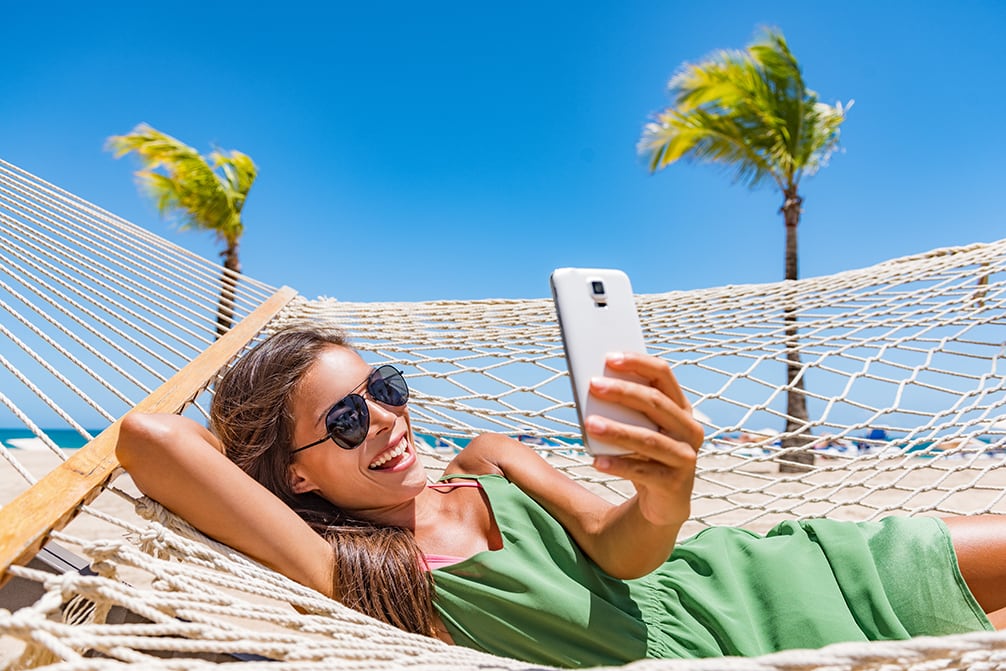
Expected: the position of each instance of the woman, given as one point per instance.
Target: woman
(525, 562)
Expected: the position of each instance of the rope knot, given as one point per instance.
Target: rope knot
(154, 541)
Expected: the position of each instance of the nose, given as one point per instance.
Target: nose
(382, 418)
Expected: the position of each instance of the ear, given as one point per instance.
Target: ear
(300, 482)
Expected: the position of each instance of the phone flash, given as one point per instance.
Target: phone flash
(598, 294)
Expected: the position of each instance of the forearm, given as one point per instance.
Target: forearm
(636, 536)
(627, 545)
(177, 462)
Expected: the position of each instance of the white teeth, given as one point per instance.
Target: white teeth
(387, 456)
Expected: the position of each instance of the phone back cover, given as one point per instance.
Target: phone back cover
(590, 332)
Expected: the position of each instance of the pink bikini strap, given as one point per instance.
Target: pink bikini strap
(455, 483)
(435, 561)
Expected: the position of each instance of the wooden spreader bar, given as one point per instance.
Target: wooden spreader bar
(27, 521)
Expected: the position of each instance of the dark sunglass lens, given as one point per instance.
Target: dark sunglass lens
(348, 422)
(388, 386)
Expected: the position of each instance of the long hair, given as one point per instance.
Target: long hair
(379, 570)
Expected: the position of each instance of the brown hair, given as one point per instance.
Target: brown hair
(379, 570)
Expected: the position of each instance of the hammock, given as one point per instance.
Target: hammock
(901, 365)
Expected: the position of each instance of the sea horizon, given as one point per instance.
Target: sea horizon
(69, 439)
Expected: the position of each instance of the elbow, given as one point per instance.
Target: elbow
(630, 573)
(139, 435)
(631, 568)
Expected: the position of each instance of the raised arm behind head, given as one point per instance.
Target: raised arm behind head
(177, 462)
(377, 570)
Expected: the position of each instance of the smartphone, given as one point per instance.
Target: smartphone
(597, 314)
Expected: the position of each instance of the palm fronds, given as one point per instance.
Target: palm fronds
(746, 110)
(184, 184)
(187, 186)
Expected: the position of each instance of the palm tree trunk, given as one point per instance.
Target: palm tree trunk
(228, 288)
(796, 434)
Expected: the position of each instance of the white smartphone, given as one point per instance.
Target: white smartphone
(597, 314)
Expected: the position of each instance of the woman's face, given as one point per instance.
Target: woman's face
(383, 473)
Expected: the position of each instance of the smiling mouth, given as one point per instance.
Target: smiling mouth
(390, 457)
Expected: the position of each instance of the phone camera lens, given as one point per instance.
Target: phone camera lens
(597, 287)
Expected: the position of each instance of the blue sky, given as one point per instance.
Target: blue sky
(413, 151)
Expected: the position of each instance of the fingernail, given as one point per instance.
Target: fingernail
(601, 463)
(616, 357)
(600, 383)
(596, 425)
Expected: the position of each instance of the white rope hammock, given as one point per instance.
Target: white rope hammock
(903, 377)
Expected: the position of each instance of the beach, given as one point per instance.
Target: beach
(85, 526)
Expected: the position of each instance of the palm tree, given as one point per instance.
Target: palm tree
(187, 185)
(751, 112)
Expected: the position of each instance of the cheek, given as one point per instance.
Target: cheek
(334, 464)
(341, 484)
(327, 466)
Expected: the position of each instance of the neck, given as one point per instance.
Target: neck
(406, 515)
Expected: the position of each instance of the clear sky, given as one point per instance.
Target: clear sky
(425, 150)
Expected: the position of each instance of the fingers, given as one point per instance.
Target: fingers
(661, 469)
(646, 473)
(661, 463)
(659, 397)
(644, 443)
(653, 370)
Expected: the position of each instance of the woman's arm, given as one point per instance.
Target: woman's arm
(633, 538)
(177, 462)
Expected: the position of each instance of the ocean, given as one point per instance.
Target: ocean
(69, 439)
(25, 440)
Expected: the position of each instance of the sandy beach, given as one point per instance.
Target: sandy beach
(86, 526)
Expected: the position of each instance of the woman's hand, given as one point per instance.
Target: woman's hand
(630, 539)
(662, 463)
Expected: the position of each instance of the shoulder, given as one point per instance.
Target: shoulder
(575, 507)
(496, 454)
(491, 454)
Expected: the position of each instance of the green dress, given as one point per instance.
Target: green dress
(722, 592)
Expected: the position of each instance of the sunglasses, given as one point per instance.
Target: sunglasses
(348, 422)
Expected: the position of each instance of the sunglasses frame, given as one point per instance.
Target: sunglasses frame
(364, 411)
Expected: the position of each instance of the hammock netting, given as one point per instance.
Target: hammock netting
(901, 365)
